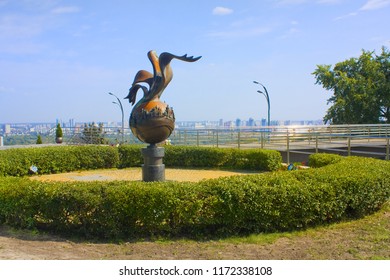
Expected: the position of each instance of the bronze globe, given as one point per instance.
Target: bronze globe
(152, 122)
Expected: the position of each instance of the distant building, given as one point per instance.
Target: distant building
(7, 128)
(238, 122)
(228, 124)
(276, 123)
(251, 122)
(199, 125)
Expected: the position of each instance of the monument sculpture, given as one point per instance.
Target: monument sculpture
(151, 120)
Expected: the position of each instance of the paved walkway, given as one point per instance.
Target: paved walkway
(135, 174)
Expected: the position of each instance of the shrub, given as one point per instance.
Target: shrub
(275, 201)
(39, 140)
(322, 159)
(363, 183)
(189, 156)
(59, 132)
(130, 156)
(252, 159)
(17, 162)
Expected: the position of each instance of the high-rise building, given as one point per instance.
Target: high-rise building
(7, 128)
(238, 122)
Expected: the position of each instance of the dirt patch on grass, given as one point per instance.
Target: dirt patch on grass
(368, 238)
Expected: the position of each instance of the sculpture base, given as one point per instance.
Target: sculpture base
(153, 169)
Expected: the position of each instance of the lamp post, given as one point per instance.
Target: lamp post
(265, 93)
(119, 103)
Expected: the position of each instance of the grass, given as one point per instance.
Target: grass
(364, 239)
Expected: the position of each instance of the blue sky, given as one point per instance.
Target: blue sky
(59, 59)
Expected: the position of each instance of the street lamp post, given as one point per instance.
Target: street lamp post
(119, 103)
(265, 93)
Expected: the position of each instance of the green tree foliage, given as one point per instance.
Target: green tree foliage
(93, 134)
(59, 131)
(39, 139)
(361, 89)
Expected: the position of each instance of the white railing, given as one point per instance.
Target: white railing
(366, 140)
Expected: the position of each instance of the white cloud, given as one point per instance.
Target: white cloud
(370, 5)
(65, 10)
(222, 11)
(346, 16)
(375, 4)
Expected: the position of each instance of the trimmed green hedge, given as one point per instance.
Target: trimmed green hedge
(189, 156)
(130, 156)
(17, 162)
(252, 159)
(268, 202)
(322, 159)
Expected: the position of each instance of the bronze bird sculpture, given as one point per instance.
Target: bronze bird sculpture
(151, 120)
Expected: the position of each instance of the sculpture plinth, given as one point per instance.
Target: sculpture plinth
(151, 120)
(153, 168)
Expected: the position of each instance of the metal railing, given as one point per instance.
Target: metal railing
(364, 140)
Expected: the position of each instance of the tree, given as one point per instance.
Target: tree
(59, 131)
(59, 134)
(361, 89)
(39, 139)
(93, 134)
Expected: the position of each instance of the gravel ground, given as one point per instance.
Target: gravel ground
(135, 174)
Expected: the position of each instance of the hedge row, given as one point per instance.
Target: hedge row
(275, 201)
(322, 159)
(17, 162)
(189, 156)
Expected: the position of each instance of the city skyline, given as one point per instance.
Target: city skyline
(60, 59)
(179, 123)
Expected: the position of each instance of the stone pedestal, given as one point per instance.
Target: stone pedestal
(153, 168)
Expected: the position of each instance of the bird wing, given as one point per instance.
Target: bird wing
(162, 72)
(133, 92)
(143, 76)
(165, 60)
